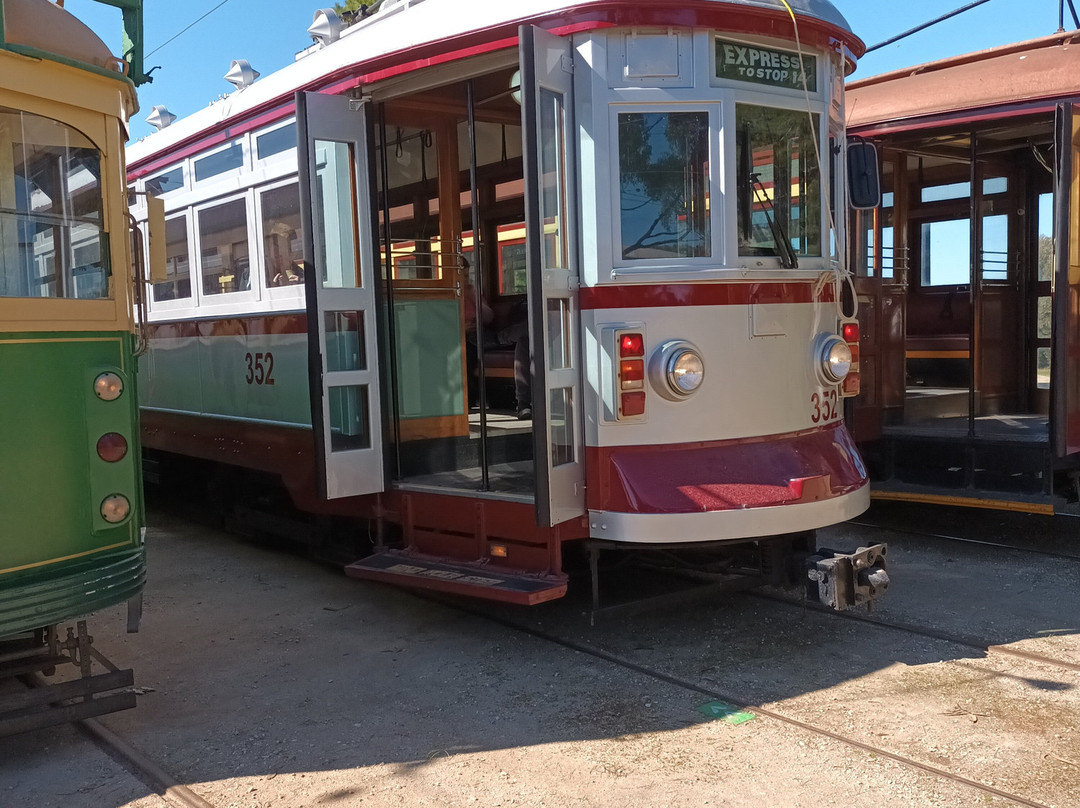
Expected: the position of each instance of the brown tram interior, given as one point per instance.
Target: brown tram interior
(456, 413)
(954, 281)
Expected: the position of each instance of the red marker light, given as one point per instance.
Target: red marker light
(632, 404)
(631, 345)
(112, 447)
(851, 332)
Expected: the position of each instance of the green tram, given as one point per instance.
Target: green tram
(71, 501)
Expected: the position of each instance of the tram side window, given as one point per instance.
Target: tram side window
(53, 242)
(664, 184)
(167, 181)
(779, 193)
(283, 244)
(177, 263)
(223, 248)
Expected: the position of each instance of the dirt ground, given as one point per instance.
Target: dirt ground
(271, 680)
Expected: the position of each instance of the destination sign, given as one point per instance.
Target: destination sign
(742, 62)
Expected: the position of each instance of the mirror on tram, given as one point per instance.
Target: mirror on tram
(864, 178)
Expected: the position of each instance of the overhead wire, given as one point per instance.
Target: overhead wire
(840, 273)
(185, 30)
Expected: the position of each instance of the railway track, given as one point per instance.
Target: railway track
(923, 631)
(180, 796)
(967, 540)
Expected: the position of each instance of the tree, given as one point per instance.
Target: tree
(351, 6)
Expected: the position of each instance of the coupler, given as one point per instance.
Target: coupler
(843, 581)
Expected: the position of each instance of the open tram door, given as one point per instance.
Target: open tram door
(340, 285)
(547, 110)
(1065, 363)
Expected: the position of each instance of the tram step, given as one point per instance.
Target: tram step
(406, 569)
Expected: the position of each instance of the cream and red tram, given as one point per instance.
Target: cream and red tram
(649, 198)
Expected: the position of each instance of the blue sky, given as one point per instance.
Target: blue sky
(268, 33)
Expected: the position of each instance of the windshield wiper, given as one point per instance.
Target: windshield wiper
(788, 259)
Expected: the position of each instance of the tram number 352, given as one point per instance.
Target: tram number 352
(260, 368)
(825, 405)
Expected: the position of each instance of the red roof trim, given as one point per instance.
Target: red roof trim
(682, 13)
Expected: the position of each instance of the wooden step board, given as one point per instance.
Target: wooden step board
(401, 568)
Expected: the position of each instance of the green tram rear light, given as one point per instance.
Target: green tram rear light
(115, 508)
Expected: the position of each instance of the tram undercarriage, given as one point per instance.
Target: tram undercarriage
(31, 657)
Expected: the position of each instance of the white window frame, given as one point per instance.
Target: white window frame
(716, 179)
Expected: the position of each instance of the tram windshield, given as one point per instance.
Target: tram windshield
(664, 184)
(50, 211)
(779, 202)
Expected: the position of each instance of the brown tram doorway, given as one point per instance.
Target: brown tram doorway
(954, 274)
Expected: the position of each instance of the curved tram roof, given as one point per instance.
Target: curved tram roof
(406, 35)
(1016, 79)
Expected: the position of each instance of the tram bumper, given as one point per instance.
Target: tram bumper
(842, 581)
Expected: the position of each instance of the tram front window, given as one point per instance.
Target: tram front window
(664, 184)
(779, 197)
(50, 211)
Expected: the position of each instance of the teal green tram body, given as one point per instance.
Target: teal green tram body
(71, 503)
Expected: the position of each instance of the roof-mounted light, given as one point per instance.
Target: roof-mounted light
(326, 26)
(241, 74)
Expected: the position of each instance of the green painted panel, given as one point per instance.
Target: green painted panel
(250, 376)
(429, 358)
(52, 482)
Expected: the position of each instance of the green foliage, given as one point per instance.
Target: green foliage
(351, 5)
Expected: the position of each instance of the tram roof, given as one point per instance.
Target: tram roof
(1017, 79)
(405, 35)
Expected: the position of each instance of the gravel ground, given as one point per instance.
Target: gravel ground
(271, 680)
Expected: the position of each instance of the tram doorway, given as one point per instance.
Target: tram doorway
(467, 239)
(954, 280)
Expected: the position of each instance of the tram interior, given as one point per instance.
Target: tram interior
(456, 284)
(956, 285)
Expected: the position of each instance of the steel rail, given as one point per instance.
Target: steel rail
(164, 784)
(924, 631)
(965, 540)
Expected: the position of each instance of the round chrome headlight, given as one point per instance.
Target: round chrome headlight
(676, 370)
(835, 359)
(108, 386)
(685, 371)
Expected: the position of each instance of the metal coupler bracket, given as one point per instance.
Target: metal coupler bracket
(846, 580)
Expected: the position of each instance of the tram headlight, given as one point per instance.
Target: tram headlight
(677, 370)
(835, 356)
(108, 386)
(115, 508)
(686, 371)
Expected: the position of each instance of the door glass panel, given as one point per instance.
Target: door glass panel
(349, 418)
(561, 415)
(558, 328)
(345, 348)
(1046, 237)
(1043, 320)
(552, 186)
(946, 253)
(664, 184)
(1042, 368)
(995, 248)
(335, 231)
